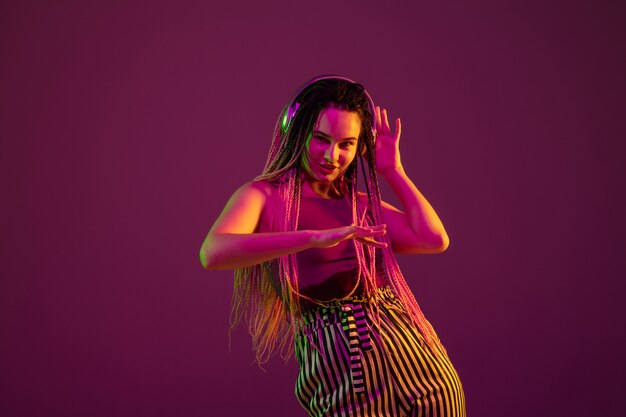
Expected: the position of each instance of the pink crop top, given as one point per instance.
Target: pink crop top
(326, 273)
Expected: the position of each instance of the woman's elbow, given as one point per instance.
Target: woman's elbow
(432, 245)
(443, 243)
(204, 259)
(208, 259)
(436, 244)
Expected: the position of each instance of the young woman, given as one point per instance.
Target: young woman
(314, 261)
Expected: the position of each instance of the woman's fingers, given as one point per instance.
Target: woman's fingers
(398, 128)
(372, 242)
(365, 231)
(366, 234)
(385, 121)
(382, 124)
(363, 234)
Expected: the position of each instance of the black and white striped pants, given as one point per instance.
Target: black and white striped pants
(350, 367)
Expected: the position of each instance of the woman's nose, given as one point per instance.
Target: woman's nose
(330, 154)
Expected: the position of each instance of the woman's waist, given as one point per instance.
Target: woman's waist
(335, 311)
(338, 286)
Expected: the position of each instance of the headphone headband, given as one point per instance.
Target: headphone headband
(293, 105)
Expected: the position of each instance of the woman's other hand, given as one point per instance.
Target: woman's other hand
(387, 143)
(364, 234)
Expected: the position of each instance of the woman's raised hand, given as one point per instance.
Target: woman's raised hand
(364, 234)
(387, 143)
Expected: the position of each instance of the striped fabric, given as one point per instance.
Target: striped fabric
(350, 367)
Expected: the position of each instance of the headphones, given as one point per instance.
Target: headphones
(293, 105)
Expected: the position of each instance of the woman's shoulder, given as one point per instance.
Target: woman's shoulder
(262, 189)
(265, 192)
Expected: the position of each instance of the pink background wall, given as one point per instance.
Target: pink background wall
(126, 125)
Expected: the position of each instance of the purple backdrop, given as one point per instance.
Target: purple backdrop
(125, 126)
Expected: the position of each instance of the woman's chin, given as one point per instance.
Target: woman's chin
(320, 177)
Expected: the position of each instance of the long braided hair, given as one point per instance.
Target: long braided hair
(270, 311)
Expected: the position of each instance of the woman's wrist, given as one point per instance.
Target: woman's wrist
(393, 171)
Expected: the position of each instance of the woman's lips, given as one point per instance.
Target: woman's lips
(328, 168)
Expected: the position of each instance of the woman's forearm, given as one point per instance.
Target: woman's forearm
(231, 251)
(420, 215)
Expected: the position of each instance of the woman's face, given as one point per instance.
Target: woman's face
(332, 145)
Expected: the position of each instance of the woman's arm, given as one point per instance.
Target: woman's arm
(425, 232)
(418, 229)
(232, 242)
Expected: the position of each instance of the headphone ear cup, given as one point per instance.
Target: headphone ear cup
(284, 120)
(288, 114)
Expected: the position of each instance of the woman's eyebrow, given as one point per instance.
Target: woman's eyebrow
(320, 133)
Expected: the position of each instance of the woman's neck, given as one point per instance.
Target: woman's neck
(326, 190)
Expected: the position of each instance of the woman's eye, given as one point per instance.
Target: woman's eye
(347, 145)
